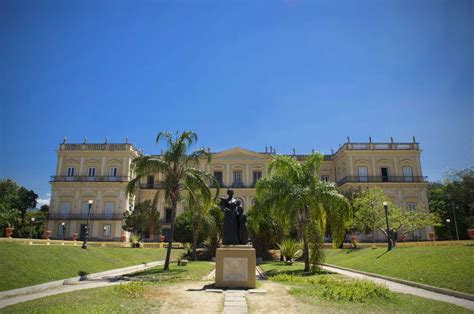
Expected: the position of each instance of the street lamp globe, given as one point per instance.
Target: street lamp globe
(448, 220)
(91, 202)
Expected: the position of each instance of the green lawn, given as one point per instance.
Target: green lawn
(25, 265)
(326, 292)
(447, 267)
(193, 271)
(133, 297)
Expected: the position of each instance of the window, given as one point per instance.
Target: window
(256, 176)
(64, 210)
(150, 181)
(411, 207)
(107, 231)
(237, 178)
(362, 171)
(61, 231)
(407, 174)
(384, 173)
(218, 176)
(70, 171)
(85, 210)
(113, 172)
(91, 172)
(109, 210)
(325, 178)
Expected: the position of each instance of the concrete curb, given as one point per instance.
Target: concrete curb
(75, 280)
(445, 291)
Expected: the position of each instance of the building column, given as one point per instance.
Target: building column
(72, 228)
(59, 165)
(395, 167)
(97, 202)
(118, 229)
(102, 167)
(124, 171)
(76, 202)
(227, 175)
(351, 166)
(81, 166)
(247, 174)
(373, 173)
(122, 202)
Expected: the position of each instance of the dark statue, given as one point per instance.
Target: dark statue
(235, 220)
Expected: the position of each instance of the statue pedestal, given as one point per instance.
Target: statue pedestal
(235, 266)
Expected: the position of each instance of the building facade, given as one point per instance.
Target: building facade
(100, 172)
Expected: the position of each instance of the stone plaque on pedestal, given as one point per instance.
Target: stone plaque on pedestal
(235, 266)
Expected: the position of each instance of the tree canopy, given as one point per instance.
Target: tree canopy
(15, 201)
(454, 196)
(369, 215)
(292, 190)
(140, 219)
(178, 168)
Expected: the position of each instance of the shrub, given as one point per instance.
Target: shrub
(188, 251)
(135, 239)
(290, 249)
(336, 289)
(355, 290)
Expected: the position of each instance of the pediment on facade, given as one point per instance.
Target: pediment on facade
(238, 152)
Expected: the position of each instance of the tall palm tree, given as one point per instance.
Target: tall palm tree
(179, 172)
(293, 188)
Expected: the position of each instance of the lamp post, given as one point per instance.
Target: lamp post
(31, 229)
(389, 241)
(447, 225)
(103, 233)
(455, 222)
(86, 237)
(63, 226)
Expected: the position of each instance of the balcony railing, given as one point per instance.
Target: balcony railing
(98, 147)
(378, 146)
(235, 186)
(159, 185)
(89, 179)
(377, 179)
(79, 216)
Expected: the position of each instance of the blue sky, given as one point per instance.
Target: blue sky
(291, 74)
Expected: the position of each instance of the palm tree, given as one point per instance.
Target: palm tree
(199, 207)
(179, 172)
(293, 189)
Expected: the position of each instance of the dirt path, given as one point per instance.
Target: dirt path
(190, 297)
(275, 300)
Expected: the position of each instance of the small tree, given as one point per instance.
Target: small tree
(370, 216)
(293, 188)
(140, 220)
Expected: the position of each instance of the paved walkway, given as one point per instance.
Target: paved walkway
(402, 288)
(103, 279)
(56, 290)
(235, 302)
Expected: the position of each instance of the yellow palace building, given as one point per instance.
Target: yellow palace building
(101, 172)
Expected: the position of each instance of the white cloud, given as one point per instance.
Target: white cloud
(43, 201)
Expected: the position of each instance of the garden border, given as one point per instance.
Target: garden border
(457, 294)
